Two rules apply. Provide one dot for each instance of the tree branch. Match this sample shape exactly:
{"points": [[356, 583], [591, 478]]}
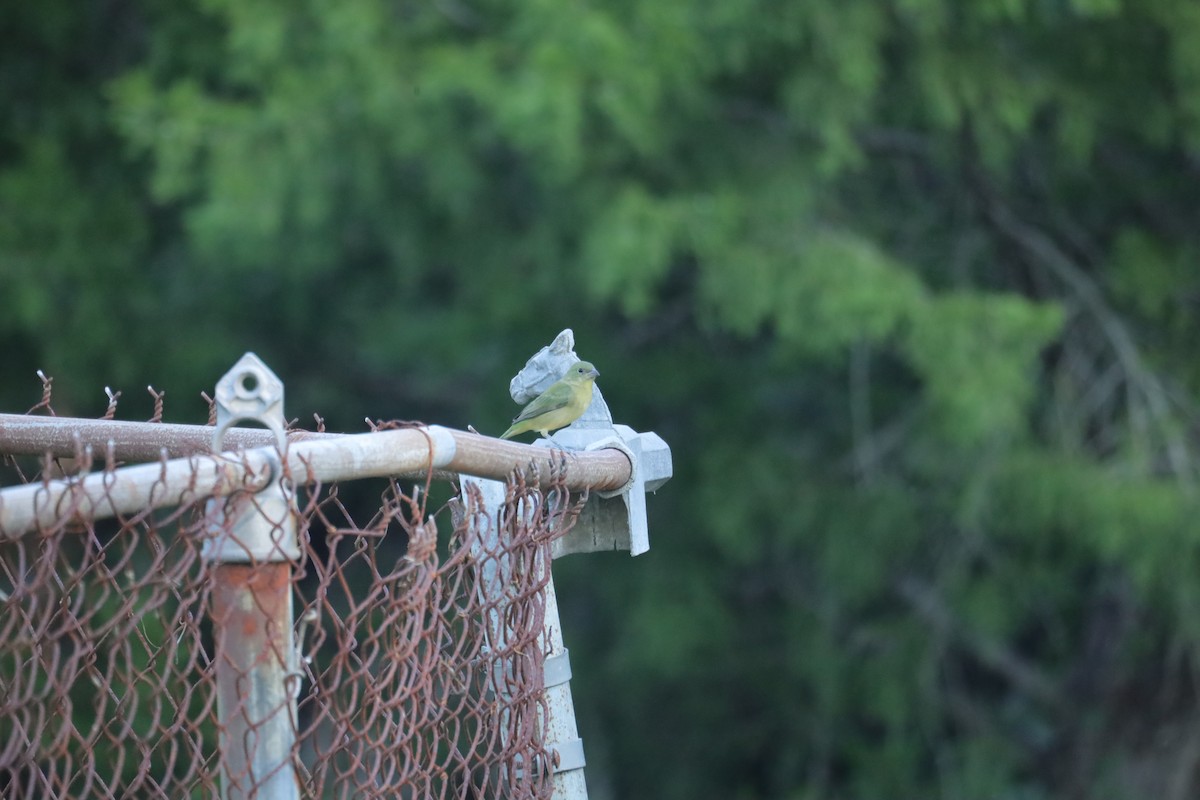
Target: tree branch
{"points": [[1144, 385], [928, 604]]}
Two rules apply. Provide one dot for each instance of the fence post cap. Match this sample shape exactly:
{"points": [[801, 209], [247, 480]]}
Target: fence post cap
{"points": [[602, 527], [249, 391], [261, 527]]}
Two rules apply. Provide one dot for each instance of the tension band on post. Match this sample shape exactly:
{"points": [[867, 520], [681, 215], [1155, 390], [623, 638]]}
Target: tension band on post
{"points": [[568, 755], [557, 669]]}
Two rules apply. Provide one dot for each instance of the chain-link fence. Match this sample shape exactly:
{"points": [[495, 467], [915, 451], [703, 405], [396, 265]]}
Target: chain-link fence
{"points": [[410, 642]]}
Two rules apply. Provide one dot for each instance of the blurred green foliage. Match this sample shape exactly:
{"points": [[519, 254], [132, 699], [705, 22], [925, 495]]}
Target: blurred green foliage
{"points": [[909, 286]]}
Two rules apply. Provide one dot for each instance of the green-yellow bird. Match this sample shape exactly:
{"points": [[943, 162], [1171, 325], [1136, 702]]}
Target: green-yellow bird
{"points": [[558, 406]]}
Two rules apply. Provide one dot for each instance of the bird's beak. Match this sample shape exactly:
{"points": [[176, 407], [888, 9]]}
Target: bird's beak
{"points": [[595, 373]]}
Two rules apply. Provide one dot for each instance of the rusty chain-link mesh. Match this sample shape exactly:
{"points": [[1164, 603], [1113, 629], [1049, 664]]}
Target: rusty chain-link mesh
{"points": [[419, 654]]}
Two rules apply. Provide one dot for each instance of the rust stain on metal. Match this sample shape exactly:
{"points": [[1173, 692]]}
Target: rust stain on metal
{"points": [[246, 596]]}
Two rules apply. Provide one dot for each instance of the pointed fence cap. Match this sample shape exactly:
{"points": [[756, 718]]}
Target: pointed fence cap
{"points": [[250, 392]]}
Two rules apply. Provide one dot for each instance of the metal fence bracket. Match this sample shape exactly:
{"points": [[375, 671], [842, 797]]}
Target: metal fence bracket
{"points": [[253, 526], [615, 520]]}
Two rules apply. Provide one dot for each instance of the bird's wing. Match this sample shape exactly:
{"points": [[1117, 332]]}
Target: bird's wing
{"points": [[552, 399]]}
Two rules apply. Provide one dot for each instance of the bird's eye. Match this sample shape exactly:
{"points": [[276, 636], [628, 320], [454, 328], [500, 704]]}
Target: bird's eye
{"points": [[579, 370]]}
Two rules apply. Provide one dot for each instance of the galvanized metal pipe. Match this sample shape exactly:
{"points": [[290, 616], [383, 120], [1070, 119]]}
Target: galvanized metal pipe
{"points": [[256, 679], [406, 451], [66, 437]]}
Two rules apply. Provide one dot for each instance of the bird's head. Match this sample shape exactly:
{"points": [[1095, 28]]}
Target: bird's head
{"points": [[582, 371]]}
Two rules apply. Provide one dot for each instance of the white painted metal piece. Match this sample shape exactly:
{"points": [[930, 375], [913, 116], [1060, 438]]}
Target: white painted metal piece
{"points": [[651, 460], [259, 524], [558, 668], [560, 731]]}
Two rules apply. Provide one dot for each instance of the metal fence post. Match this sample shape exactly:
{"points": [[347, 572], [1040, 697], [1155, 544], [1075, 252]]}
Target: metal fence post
{"points": [[561, 731], [614, 520], [558, 728], [252, 544]]}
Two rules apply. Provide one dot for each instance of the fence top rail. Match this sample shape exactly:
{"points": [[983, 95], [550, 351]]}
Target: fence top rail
{"points": [[65, 437], [401, 452]]}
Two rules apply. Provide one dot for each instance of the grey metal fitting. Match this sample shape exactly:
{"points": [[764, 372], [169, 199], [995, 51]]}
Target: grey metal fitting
{"points": [[257, 526], [606, 524]]}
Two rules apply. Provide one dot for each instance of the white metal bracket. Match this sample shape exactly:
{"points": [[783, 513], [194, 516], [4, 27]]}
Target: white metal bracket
{"points": [[258, 526], [617, 519]]}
